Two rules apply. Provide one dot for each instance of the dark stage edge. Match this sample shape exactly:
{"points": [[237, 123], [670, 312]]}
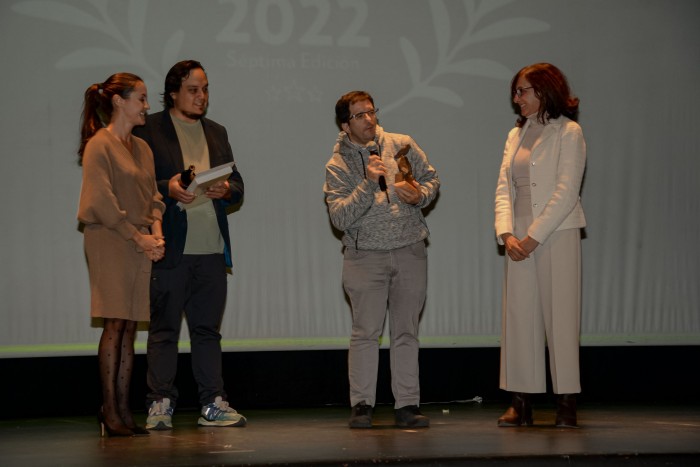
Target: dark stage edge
{"points": [[460, 434]]}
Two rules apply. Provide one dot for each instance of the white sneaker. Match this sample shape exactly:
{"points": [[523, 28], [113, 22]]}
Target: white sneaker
{"points": [[160, 415], [218, 413]]}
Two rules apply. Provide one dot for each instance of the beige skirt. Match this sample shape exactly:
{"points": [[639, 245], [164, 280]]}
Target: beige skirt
{"points": [[119, 276]]}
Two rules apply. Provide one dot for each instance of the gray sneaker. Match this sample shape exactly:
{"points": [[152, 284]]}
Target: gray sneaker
{"points": [[218, 413], [160, 415]]}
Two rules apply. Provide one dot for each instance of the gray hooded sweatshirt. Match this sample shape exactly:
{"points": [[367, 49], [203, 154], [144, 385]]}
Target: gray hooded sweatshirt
{"points": [[360, 209]]}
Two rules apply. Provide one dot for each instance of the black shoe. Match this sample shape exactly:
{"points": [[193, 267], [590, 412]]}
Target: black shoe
{"points": [[361, 416], [106, 429], [410, 416], [566, 411]]}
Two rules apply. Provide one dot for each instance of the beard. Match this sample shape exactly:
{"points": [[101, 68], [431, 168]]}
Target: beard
{"points": [[194, 115]]}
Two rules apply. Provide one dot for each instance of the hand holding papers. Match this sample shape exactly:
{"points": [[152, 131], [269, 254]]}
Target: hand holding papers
{"points": [[204, 180]]}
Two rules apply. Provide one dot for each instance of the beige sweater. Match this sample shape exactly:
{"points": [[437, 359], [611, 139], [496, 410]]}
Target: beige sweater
{"points": [[119, 189]]}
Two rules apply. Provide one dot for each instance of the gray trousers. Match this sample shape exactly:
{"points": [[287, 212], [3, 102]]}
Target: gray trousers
{"points": [[378, 282]]}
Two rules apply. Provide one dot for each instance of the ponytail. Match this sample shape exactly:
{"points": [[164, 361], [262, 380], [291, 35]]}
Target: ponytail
{"points": [[97, 105]]}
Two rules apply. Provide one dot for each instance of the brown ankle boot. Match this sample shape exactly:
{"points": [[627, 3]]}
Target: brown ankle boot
{"points": [[566, 411], [519, 413]]}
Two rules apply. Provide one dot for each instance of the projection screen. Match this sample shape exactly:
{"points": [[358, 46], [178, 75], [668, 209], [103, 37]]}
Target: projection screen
{"points": [[439, 70]]}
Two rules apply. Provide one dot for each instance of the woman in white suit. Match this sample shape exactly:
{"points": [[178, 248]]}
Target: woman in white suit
{"points": [[538, 220]]}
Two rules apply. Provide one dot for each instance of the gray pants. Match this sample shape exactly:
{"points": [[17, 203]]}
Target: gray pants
{"points": [[377, 282]]}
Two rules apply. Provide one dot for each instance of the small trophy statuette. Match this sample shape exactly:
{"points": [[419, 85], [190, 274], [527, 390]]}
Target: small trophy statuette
{"points": [[186, 177], [405, 170]]}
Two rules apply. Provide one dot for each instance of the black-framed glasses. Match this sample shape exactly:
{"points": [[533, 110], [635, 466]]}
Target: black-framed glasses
{"points": [[367, 113], [519, 91]]}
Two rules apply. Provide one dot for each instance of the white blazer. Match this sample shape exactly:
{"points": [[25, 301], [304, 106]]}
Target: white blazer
{"points": [[557, 163]]}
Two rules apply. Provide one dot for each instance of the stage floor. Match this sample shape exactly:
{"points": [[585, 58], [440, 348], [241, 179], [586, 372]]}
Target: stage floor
{"points": [[460, 434]]}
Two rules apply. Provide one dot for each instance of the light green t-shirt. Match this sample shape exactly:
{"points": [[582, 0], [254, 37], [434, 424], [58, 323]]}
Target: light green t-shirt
{"points": [[203, 235]]}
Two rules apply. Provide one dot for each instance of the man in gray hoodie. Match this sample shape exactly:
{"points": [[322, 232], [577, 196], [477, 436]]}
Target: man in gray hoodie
{"points": [[378, 208]]}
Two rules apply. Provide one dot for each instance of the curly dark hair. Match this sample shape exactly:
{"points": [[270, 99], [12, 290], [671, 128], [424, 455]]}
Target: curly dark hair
{"points": [[176, 75], [552, 89], [342, 107]]}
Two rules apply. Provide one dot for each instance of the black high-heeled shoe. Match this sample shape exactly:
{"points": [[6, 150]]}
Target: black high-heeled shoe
{"points": [[106, 429], [138, 430], [131, 424]]}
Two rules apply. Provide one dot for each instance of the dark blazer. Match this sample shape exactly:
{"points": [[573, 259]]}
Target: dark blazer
{"points": [[159, 133]]}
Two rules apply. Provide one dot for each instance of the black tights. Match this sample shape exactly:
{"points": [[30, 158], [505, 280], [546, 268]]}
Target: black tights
{"points": [[116, 361]]}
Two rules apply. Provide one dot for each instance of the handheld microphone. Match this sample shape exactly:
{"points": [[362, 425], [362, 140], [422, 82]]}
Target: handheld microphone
{"points": [[374, 150]]}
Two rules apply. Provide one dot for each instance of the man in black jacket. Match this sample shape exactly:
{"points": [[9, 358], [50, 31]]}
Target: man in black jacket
{"points": [[192, 276]]}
